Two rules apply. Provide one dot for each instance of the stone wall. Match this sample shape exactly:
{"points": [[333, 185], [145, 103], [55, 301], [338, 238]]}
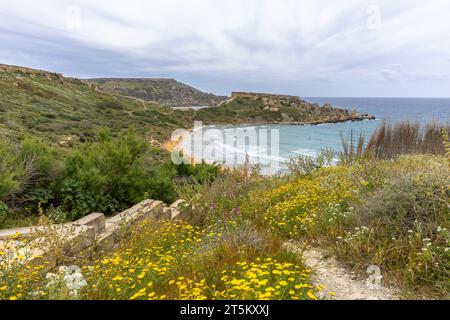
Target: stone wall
{"points": [[254, 95], [90, 235]]}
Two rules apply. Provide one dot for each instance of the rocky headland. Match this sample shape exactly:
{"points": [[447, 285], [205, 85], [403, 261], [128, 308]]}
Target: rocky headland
{"points": [[260, 108]]}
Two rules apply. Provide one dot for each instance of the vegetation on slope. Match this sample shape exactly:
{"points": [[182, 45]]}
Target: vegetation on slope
{"points": [[368, 211], [258, 110], [67, 111], [108, 174], [174, 261], [51, 150], [49, 105], [167, 92], [393, 214]]}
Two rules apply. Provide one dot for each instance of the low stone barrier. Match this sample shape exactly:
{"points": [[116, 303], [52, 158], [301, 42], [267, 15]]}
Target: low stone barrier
{"points": [[92, 234]]}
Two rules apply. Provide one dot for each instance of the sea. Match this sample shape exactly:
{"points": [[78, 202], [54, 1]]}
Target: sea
{"points": [[271, 146]]}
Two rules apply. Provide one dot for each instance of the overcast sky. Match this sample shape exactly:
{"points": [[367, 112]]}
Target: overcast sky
{"points": [[303, 47]]}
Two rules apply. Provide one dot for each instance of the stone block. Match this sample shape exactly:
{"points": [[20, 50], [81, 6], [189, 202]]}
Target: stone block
{"points": [[186, 214], [175, 215], [143, 207], [77, 239], [184, 210], [117, 231], [91, 233], [132, 215], [113, 220], [96, 220], [157, 209], [167, 213], [105, 242], [43, 257], [178, 203], [195, 219]]}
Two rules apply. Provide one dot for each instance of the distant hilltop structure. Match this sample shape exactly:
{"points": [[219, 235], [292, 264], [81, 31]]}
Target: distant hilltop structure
{"points": [[255, 95], [292, 109]]}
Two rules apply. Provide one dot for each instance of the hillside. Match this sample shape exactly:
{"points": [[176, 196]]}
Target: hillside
{"points": [[50, 105], [68, 110], [167, 92]]}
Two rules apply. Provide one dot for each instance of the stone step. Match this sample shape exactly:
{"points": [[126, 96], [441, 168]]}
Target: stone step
{"points": [[94, 231], [96, 220]]}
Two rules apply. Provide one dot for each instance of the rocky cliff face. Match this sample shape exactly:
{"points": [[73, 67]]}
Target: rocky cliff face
{"points": [[291, 109], [167, 92]]}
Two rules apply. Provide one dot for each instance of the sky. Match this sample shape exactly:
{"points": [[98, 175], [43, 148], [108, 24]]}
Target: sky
{"points": [[348, 48]]}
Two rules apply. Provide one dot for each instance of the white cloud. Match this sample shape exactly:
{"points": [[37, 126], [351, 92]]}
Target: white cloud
{"points": [[250, 41]]}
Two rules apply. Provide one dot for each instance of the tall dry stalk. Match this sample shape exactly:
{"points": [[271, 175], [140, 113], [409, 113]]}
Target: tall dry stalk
{"points": [[352, 149], [391, 140]]}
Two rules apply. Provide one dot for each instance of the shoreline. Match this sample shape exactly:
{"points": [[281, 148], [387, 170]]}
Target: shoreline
{"points": [[311, 123], [177, 143]]}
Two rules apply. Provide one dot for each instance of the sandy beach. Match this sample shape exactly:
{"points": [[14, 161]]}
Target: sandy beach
{"points": [[176, 144]]}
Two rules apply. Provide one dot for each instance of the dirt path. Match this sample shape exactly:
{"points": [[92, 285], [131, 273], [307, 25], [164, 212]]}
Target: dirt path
{"points": [[338, 282]]}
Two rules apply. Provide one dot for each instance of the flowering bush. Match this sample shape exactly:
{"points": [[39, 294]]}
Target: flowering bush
{"points": [[19, 280], [393, 214], [173, 262], [267, 279], [296, 206], [170, 260]]}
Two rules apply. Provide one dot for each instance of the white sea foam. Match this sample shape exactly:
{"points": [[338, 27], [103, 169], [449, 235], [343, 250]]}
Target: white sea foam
{"points": [[304, 152], [232, 146]]}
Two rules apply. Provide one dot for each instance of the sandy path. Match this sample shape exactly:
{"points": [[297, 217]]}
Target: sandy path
{"points": [[338, 282]]}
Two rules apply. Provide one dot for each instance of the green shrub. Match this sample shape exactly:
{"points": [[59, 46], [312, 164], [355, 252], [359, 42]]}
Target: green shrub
{"points": [[402, 222], [9, 183], [36, 156], [106, 175], [3, 211], [24, 168], [109, 105], [304, 164], [200, 173], [162, 183], [112, 174], [57, 215]]}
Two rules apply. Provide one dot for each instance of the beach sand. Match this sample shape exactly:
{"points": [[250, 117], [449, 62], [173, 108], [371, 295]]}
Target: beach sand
{"points": [[176, 145]]}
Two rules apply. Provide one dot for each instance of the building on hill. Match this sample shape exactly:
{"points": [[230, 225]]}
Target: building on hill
{"points": [[254, 95]]}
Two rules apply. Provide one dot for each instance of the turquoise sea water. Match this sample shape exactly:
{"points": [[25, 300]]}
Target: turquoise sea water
{"points": [[231, 145]]}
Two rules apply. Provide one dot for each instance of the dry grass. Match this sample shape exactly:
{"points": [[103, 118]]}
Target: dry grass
{"points": [[392, 140]]}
